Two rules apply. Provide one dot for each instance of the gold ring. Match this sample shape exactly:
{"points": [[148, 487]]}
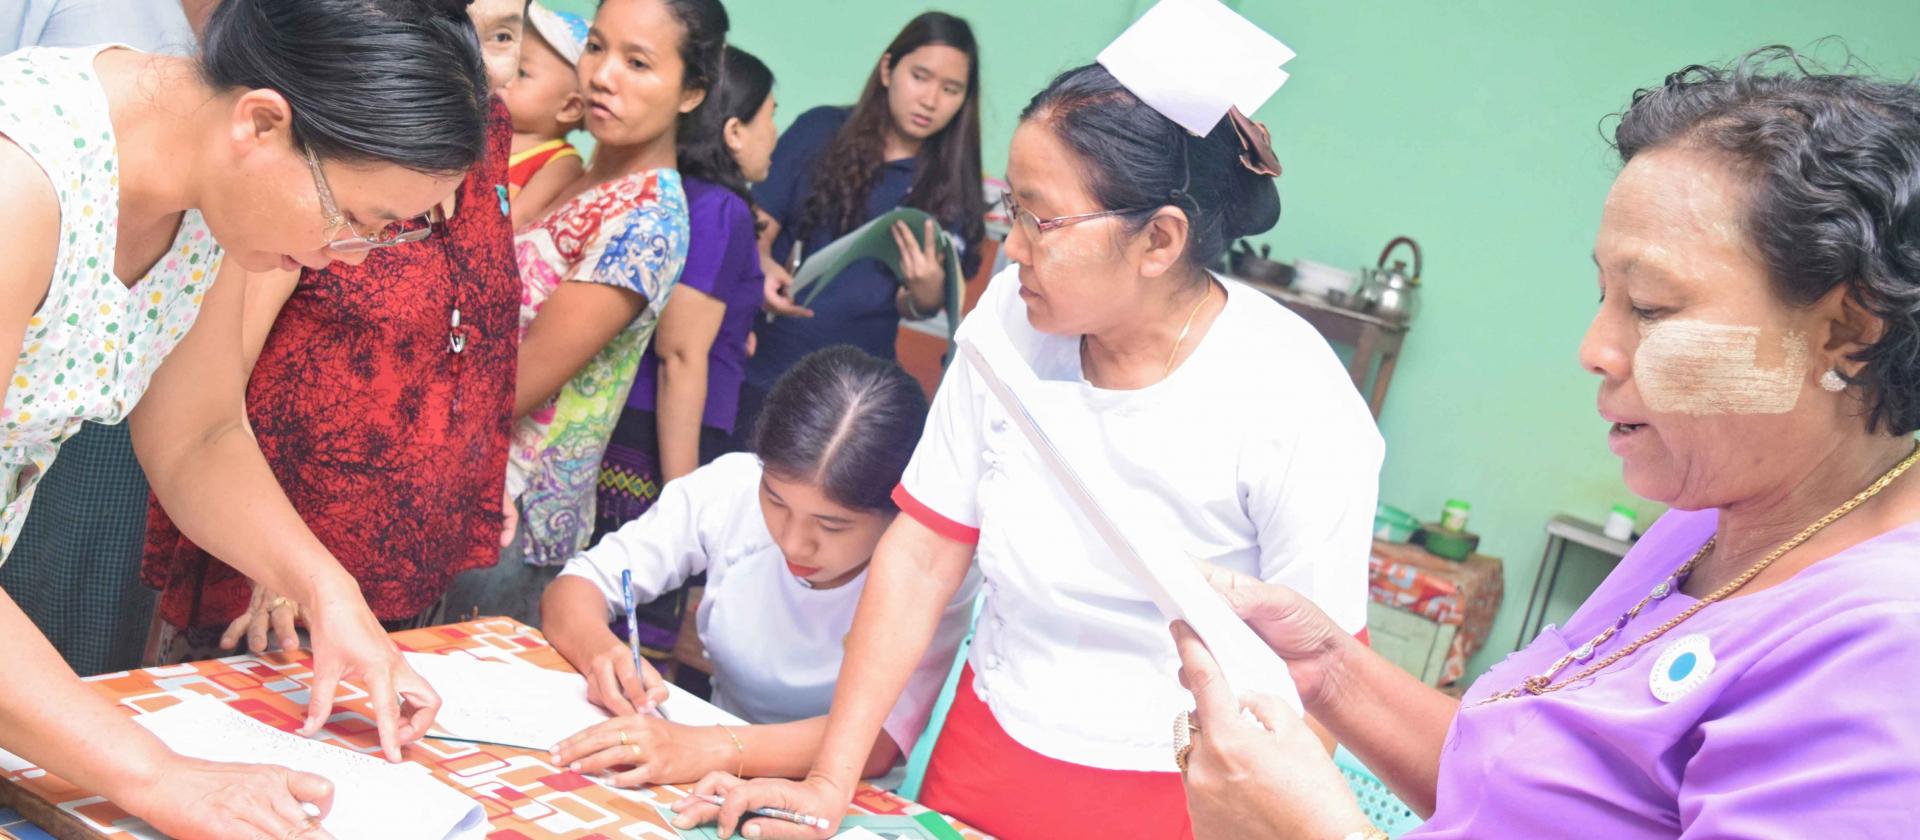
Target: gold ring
{"points": [[636, 752], [1183, 731], [277, 603], [623, 737]]}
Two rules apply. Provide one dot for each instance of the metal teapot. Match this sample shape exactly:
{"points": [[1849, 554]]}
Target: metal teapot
{"points": [[1390, 292]]}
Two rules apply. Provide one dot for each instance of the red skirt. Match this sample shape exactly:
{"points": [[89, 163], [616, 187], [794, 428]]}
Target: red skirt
{"points": [[981, 776]]}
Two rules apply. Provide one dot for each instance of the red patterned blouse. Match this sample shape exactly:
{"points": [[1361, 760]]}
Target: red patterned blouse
{"points": [[382, 400]]}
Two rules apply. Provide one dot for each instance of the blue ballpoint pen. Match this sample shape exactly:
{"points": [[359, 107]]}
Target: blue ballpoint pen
{"points": [[633, 629]]}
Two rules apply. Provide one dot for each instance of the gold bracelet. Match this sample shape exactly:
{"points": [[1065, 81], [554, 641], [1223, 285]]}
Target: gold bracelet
{"points": [[738, 746]]}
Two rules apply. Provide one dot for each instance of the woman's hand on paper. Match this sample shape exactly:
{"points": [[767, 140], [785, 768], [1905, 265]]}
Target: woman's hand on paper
{"points": [[816, 796], [206, 800], [267, 611], [348, 643], [639, 750], [1254, 768], [614, 685], [1288, 622]]}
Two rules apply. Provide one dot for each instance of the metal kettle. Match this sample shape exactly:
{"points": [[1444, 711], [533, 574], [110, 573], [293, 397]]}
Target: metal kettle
{"points": [[1390, 291]]}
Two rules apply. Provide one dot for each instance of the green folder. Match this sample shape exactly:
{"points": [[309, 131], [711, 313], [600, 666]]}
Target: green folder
{"points": [[874, 240]]}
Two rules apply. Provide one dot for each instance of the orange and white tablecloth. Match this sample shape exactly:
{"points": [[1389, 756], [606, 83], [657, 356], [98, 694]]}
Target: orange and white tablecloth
{"points": [[524, 797]]}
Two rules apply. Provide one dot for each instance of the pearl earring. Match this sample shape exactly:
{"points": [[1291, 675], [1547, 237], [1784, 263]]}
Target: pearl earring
{"points": [[1832, 382]]}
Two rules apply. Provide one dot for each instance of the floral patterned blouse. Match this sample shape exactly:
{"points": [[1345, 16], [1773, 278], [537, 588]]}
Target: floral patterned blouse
{"points": [[630, 233], [93, 345]]}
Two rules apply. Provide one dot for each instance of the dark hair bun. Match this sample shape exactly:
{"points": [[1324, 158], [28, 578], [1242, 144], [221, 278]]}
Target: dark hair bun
{"points": [[1252, 201], [1136, 160]]}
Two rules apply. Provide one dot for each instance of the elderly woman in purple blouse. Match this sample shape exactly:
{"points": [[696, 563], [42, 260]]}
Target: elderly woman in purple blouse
{"points": [[1751, 669]]}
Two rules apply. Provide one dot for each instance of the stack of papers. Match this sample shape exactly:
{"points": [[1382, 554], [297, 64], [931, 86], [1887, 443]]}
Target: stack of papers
{"points": [[371, 798], [518, 704]]}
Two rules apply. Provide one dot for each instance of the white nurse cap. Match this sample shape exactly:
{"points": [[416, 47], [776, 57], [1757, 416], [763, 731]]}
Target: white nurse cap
{"points": [[1197, 61]]}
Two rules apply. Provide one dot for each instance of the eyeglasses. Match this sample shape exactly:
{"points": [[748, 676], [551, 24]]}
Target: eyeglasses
{"points": [[1033, 225], [387, 235]]}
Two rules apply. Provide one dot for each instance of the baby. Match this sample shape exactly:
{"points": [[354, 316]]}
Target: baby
{"points": [[545, 103]]}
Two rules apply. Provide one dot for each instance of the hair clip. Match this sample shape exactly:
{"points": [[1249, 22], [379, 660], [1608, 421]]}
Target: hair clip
{"points": [[1256, 145]]}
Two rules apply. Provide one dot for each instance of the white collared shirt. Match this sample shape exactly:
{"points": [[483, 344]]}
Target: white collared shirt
{"points": [[775, 644], [1257, 454]]}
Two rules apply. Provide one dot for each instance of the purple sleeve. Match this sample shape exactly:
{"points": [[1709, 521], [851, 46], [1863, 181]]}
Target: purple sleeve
{"points": [[714, 236], [1819, 738]]}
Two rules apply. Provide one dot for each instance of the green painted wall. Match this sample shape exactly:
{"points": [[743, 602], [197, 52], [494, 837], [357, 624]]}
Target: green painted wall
{"points": [[1472, 126]]}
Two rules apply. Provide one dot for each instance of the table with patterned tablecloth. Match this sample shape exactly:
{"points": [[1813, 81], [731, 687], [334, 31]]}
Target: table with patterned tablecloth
{"points": [[524, 797], [1465, 595]]}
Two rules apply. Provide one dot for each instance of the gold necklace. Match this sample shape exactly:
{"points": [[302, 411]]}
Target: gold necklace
{"points": [[1543, 682], [1189, 325]]}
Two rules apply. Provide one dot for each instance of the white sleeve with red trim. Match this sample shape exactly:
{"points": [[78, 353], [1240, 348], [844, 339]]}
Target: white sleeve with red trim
{"points": [[940, 487], [1311, 493]]}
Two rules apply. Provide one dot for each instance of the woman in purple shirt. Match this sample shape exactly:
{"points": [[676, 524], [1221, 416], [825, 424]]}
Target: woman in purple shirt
{"points": [[1749, 669]]}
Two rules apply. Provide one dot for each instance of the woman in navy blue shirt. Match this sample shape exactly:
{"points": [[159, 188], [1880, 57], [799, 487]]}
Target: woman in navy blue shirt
{"points": [[912, 140]]}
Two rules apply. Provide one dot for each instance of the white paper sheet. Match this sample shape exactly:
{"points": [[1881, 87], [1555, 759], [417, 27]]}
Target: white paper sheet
{"points": [[371, 798], [1191, 60], [524, 705], [1168, 577]]}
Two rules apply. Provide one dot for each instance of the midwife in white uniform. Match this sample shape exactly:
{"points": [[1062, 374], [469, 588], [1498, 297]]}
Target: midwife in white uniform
{"points": [[1209, 421], [784, 537]]}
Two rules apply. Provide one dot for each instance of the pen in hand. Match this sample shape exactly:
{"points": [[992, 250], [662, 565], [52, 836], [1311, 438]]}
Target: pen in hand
{"points": [[769, 813], [633, 640]]}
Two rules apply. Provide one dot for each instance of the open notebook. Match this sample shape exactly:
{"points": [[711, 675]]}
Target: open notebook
{"points": [[518, 704], [371, 798]]}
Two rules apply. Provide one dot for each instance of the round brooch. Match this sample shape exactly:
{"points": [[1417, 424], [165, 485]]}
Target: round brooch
{"points": [[1681, 668]]}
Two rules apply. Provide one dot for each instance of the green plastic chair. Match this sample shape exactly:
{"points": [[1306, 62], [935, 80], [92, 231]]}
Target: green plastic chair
{"points": [[1382, 808]]}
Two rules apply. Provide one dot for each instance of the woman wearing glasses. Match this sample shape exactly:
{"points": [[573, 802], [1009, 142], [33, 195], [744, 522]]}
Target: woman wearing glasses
{"points": [[123, 170], [1210, 420], [380, 393]]}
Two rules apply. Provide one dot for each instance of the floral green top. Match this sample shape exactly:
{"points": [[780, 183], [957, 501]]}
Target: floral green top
{"points": [[629, 233], [95, 342]]}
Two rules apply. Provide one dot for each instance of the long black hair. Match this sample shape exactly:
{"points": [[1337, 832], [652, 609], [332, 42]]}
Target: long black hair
{"points": [[1134, 159], [845, 422], [745, 82], [387, 81], [948, 182]]}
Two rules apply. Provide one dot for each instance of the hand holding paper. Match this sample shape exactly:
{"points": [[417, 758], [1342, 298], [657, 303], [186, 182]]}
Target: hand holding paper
{"points": [[876, 240]]}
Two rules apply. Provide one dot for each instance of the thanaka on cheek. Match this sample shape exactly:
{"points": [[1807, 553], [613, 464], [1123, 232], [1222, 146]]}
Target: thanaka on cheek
{"points": [[1697, 367]]}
